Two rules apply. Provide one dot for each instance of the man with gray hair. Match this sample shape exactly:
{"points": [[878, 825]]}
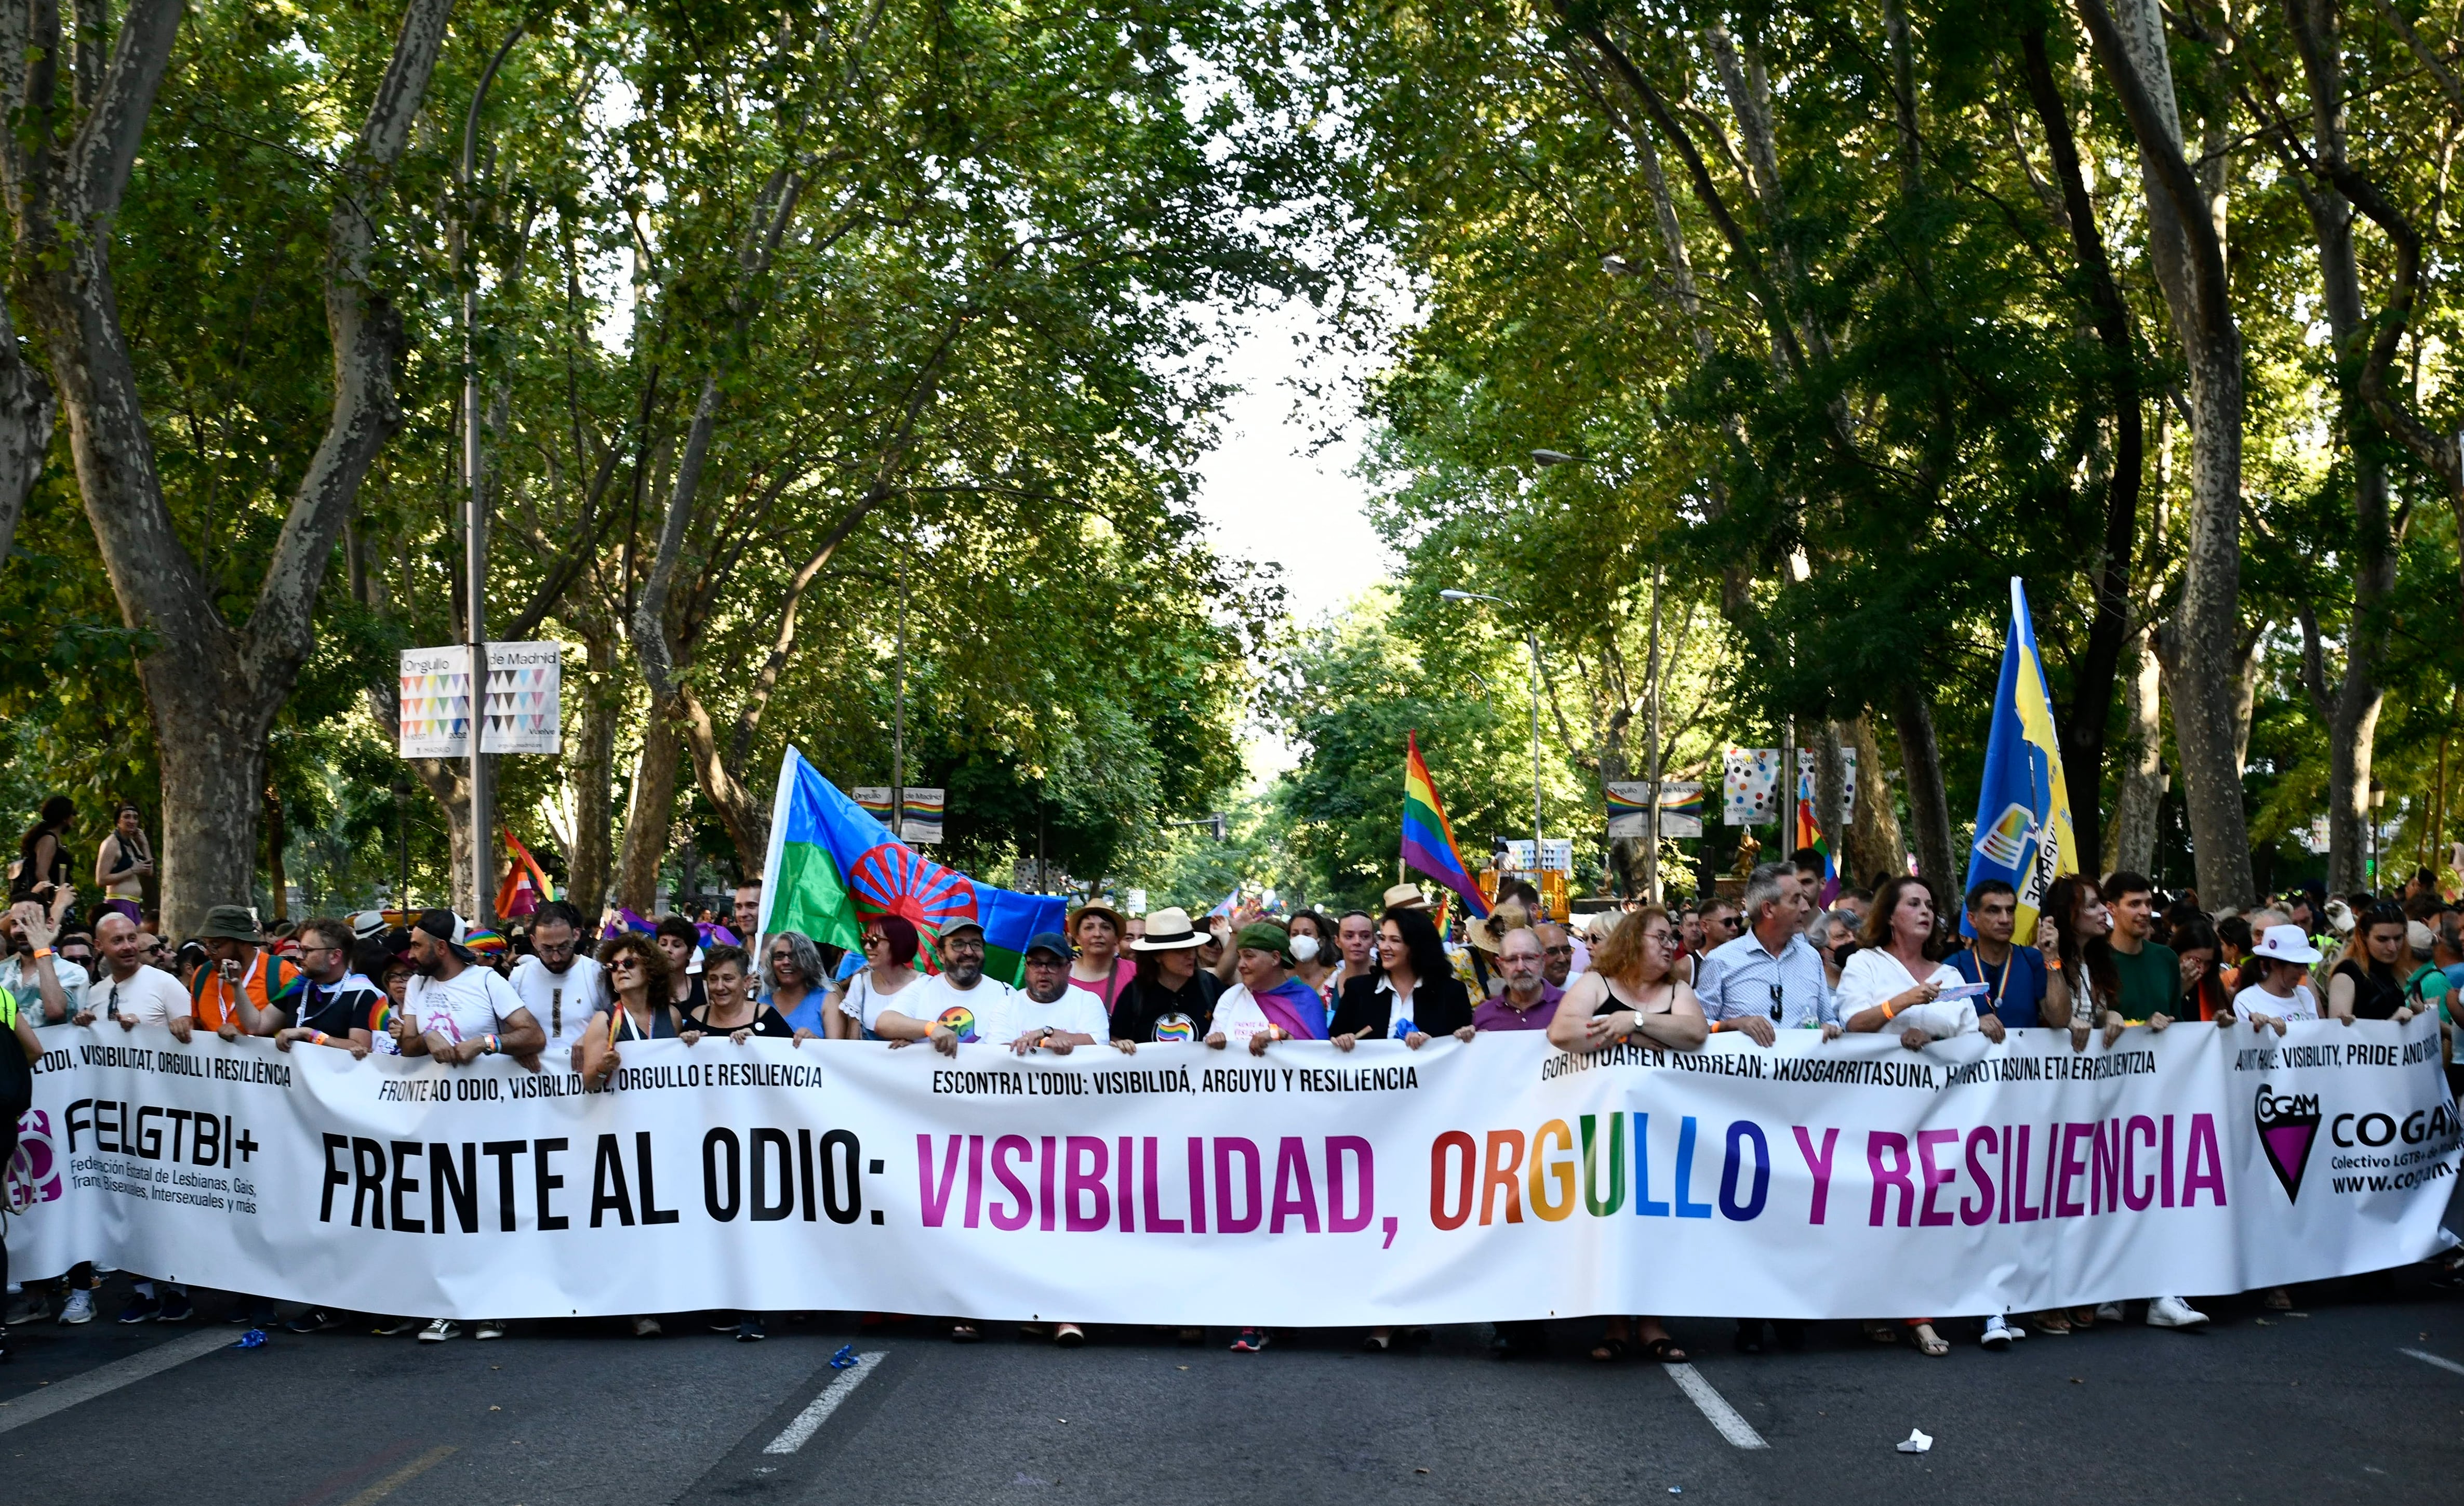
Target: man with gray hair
{"points": [[1771, 978]]}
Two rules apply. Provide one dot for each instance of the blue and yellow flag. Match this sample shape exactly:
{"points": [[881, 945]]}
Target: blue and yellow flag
{"points": [[2023, 809]]}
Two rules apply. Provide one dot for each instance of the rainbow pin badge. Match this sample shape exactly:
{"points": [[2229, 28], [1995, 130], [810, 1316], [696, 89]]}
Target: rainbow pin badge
{"points": [[959, 1021]]}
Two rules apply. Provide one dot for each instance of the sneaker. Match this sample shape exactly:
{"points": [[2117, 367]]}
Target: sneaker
{"points": [[440, 1330], [647, 1328], [314, 1321], [175, 1309], [1249, 1341], [142, 1308], [25, 1309], [750, 1331], [1998, 1333], [490, 1328], [2172, 1312], [2108, 1311], [388, 1327], [80, 1308]]}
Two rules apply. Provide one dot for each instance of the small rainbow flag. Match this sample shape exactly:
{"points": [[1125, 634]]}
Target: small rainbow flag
{"points": [[1428, 841], [1809, 834]]}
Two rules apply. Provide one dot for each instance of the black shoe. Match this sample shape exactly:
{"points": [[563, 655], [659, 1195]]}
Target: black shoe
{"points": [[314, 1321], [1750, 1336], [750, 1331], [1791, 1332]]}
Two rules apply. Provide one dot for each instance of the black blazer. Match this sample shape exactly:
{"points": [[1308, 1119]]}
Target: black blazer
{"points": [[1440, 1006]]}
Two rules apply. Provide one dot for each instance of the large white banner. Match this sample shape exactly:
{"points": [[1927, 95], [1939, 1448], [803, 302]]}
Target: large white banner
{"points": [[1494, 1179]]}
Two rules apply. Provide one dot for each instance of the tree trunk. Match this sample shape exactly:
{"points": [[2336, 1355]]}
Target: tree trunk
{"points": [[27, 411], [278, 886], [1831, 794], [2131, 842], [589, 770], [2351, 707], [2186, 254], [449, 781], [212, 690], [2083, 725], [1928, 803], [1874, 838], [650, 815]]}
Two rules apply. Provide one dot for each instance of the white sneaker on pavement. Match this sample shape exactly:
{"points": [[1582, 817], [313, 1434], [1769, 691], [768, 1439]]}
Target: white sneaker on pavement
{"points": [[2108, 1313], [80, 1308], [2172, 1312], [2000, 1331], [490, 1328], [439, 1330]]}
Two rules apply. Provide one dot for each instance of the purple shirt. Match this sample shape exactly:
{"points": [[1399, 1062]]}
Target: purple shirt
{"points": [[1501, 1014]]}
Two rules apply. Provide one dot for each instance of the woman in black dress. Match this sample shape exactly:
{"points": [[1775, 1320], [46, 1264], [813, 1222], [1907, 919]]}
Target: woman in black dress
{"points": [[2368, 983]]}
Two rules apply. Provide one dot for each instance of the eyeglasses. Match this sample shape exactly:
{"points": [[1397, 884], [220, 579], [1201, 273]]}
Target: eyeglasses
{"points": [[777, 958], [625, 964], [870, 942], [1560, 951]]}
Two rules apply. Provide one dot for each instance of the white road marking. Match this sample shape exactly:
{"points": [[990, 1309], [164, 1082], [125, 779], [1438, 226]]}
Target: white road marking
{"points": [[809, 1421], [2426, 1358], [1714, 1406], [102, 1380]]}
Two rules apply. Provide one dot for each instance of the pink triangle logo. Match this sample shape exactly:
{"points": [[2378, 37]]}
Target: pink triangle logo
{"points": [[2288, 1126]]}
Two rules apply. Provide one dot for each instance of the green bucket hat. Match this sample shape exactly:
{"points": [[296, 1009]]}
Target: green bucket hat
{"points": [[230, 922], [1260, 935]]}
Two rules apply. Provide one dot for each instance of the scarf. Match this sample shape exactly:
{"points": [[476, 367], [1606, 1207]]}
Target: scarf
{"points": [[1295, 1008]]}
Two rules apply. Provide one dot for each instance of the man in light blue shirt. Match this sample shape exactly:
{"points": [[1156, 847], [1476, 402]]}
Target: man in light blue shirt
{"points": [[1771, 978]]}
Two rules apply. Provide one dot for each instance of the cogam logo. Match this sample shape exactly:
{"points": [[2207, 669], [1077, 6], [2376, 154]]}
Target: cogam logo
{"points": [[2288, 1127], [33, 1172]]}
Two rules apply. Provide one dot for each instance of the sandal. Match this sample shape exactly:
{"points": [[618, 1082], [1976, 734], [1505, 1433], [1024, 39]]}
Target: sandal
{"points": [[1608, 1351], [1930, 1344], [965, 1334], [1879, 1332], [2052, 1320], [1661, 1350]]}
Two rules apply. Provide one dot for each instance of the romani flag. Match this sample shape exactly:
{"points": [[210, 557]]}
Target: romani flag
{"points": [[1428, 841], [831, 867]]}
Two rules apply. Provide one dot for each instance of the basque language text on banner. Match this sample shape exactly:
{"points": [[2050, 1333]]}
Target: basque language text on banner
{"points": [[1497, 1179]]}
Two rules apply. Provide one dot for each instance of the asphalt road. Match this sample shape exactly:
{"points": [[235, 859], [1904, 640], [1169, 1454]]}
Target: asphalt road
{"points": [[2315, 1408]]}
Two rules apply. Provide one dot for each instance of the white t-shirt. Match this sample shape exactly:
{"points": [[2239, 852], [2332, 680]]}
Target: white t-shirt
{"points": [[2255, 999], [152, 997], [475, 1002], [562, 1003], [1077, 1011], [929, 999], [1874, 977], [863, 1003], [21, 976], [1238, 1016]]}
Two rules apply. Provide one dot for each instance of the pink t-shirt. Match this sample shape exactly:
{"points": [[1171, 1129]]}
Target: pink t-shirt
{"points": [[1125, 972]]}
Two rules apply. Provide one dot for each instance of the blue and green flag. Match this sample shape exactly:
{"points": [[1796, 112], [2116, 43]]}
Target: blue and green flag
{"points": [[832, 867]]}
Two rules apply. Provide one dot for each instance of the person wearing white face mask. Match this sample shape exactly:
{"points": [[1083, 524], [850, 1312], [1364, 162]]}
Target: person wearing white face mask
{"points": [[1315, 953]]}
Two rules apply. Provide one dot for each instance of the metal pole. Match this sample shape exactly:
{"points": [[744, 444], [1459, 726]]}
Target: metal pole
{"points": [[898, 725], [475, 532], [1650, 819], [1534, 634]]}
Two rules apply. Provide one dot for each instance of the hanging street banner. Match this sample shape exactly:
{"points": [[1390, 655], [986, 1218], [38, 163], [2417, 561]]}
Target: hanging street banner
{"points": [[522, 706], [874, 800], [1681, 809], [922, 822], [1495, 1179]]}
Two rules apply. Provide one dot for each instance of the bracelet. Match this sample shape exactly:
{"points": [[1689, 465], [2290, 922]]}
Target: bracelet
{"points": [[1717, 1025], [491, 1044], [41, 952], [2053, 964], [1890, 1011], [316, 1037]]}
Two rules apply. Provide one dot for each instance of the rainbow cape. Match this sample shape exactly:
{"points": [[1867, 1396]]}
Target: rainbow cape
{"points": [[831, 867], [1428, 841]]}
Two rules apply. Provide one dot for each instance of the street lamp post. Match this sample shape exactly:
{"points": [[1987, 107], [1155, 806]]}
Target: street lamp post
{"points": [[1532, 637]]}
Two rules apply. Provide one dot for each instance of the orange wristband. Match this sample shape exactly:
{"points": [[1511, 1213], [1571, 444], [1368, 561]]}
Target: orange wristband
{"points": [[1890, 1011]]}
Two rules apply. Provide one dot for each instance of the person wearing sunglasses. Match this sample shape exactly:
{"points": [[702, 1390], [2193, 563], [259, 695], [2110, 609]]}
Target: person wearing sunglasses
{"points": [[792, 978], [889, 945]]}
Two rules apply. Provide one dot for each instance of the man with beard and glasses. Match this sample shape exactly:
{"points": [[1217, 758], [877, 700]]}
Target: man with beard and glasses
{"points": [[458, 1010], [959, 1007], [560, 987]]}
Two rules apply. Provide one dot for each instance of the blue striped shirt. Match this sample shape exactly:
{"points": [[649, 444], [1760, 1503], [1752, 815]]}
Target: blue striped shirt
{"points": [[1742, 977]]}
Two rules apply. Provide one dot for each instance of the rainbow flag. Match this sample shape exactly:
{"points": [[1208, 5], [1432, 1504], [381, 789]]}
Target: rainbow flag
{"points": [[525, 887], [1428, 841], [1809, 834], [831, 867]]}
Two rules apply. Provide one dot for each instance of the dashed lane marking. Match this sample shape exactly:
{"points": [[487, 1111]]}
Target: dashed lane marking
{"points": [[1714, 1406], [809, 1421]]}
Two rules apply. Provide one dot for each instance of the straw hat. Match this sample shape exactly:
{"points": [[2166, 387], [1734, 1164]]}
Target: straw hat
{"points": [[1121, 928], [1405, 897], [1168, 930]]}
